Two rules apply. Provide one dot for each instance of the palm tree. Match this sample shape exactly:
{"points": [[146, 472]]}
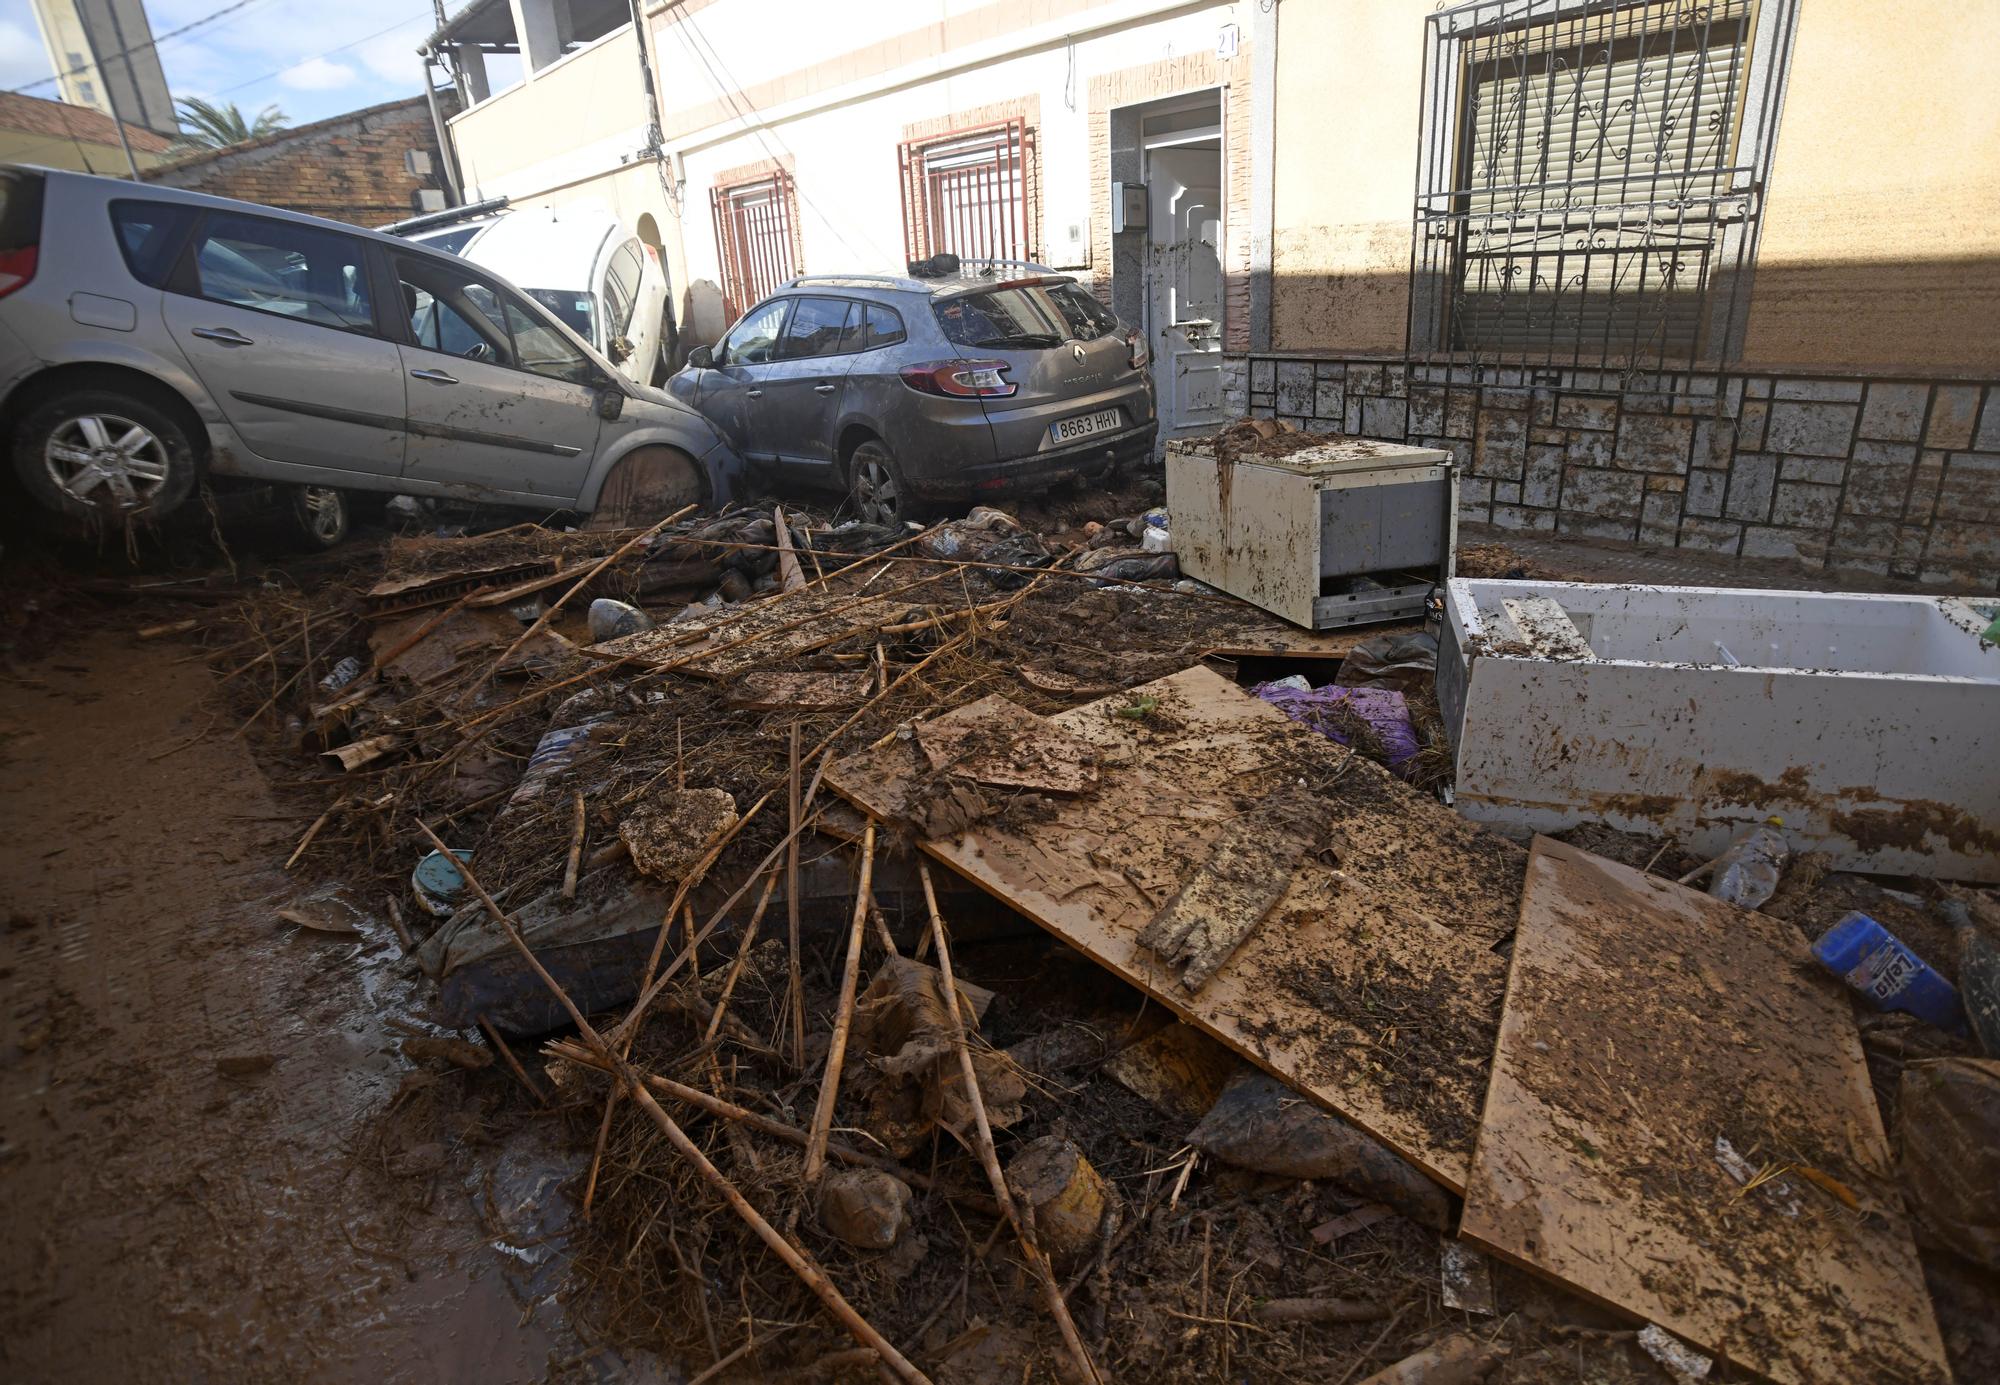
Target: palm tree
{"points": [[212, 125]]}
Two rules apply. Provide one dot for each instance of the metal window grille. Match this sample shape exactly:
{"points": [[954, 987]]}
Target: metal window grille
{"points": [[971, 193], [1590, 179], [756, 238]]}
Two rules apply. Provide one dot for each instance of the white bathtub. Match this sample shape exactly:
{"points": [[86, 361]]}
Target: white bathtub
{"points": [[1871, 724]]}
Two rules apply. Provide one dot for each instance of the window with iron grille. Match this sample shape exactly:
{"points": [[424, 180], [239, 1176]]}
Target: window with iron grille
{"points": [[1591, 177], [971, 193], [756, 238]]}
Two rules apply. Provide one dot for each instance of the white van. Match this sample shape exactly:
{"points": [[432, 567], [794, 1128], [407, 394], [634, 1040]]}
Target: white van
{"points": [[605, 283]]}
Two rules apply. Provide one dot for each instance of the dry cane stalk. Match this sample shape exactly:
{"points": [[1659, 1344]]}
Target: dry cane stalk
{"points": [[990, 1157], [836, 1053], [795, 996], [789, 575], [575, 850], [742, 956], [546, 616], [810, 1274]]}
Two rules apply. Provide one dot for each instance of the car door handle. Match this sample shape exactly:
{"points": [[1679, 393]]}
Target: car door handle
{"points": [[225, 336], [825, 389], [436, 377], [753, 394]]}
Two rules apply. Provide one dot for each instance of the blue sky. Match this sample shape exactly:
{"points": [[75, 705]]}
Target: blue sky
{"points": [[309, 58]]}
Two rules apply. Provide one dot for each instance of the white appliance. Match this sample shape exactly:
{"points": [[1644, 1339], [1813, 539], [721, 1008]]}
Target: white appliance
{"points": [[1338, 532]]}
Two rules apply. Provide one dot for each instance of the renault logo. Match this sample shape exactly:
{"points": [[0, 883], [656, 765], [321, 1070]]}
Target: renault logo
{"points": [[1077, 351]]}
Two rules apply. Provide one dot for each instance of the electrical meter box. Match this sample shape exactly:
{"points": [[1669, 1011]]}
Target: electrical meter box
{"points": [[1326, 533]]}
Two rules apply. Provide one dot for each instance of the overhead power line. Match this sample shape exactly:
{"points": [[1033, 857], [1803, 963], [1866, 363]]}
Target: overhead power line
{"points": [[154, 42]]}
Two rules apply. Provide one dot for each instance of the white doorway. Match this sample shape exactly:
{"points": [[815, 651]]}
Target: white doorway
{"points": [[1183, 169]]}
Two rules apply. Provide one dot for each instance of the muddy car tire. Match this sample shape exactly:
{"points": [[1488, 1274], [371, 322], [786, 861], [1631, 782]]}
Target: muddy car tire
{"points": [[104, 454], [877, 488], [320, 515]]}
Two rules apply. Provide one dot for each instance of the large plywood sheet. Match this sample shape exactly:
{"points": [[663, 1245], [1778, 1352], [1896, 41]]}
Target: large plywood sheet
{"points": [[1644, 1022], [1371, 983]]}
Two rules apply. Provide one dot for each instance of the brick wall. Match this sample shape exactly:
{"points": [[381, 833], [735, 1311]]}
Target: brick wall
{"points": [[349, 168], [1895, 477]]}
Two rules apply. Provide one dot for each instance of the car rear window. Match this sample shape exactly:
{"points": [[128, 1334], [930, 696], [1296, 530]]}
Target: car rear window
{"points": [[1022, 315], [149, 236], [1087, 317], [20, 209]]}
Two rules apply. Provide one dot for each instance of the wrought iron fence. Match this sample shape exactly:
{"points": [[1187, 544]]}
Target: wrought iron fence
{"points": [[971, 193], [1590, 178]]}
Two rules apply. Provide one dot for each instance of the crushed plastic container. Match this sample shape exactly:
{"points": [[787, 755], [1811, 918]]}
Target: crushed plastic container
{"points": [[1883, 969], [1156, 540], [1747, 872]]}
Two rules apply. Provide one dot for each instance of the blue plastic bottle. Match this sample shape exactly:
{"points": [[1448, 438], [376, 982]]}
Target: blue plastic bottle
{"points": [[1876, 963]]}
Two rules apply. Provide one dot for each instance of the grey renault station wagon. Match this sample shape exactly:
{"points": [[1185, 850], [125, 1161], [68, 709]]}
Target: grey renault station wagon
{"points": [[958, 382]]}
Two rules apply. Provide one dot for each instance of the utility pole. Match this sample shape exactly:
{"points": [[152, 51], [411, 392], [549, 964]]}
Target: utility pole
{"points": [[110, 92]]}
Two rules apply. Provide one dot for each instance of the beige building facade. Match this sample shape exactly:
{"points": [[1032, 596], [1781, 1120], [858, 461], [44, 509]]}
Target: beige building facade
{"points": [[1721, 276]]}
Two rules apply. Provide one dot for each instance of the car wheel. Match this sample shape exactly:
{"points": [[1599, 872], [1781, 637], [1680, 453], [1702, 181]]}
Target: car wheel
{"points": [[320, 513], [875, 483], [647, 485], [104, 454]]}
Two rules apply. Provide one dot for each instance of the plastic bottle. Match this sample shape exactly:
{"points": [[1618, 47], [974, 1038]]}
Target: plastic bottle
{"points": [[1876, 963], [1746, 873]]}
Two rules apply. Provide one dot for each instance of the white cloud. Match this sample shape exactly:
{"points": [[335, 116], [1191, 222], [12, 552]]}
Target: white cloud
{"points": [[318, 74], [22, 58]]}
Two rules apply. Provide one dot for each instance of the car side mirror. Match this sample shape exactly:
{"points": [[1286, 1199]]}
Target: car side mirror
{"points": [[702, 357], [610, 403]]}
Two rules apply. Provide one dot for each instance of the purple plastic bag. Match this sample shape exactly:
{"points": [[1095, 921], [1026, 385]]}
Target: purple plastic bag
{"points": [[1382, 708]]}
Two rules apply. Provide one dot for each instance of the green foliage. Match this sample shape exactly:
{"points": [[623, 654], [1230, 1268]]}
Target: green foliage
{"points": [[213, 125]]}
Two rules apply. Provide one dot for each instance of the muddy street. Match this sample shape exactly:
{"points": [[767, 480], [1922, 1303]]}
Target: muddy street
{"points": [[190, 1086]]}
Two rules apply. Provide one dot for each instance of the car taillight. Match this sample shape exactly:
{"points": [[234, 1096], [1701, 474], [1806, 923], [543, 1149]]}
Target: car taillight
{"points": [[1136, 349], [961, 379], [17, 267]]}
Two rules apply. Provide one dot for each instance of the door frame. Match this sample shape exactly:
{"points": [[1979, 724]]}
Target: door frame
{"points": [[1208, 100]]}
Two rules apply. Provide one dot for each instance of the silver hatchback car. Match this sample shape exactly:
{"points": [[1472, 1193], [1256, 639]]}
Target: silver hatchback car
{"points": [[151, 339], [959, 382]]}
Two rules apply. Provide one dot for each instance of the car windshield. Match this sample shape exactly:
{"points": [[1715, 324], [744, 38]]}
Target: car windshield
{"points": [[574, 308], [1017, 316], [453, 240]]}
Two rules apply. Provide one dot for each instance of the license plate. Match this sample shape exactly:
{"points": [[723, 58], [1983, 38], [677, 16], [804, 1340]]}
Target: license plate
{"points": [[1070, 429]]}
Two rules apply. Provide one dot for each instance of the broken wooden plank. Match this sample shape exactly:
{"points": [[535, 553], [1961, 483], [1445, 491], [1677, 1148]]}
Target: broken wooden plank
{"points": [[800, 692], [1248, 868], [737, 639], [1177, 1068], [1255, 633], [1644, 1023], [995, 741], [1377, 998]]}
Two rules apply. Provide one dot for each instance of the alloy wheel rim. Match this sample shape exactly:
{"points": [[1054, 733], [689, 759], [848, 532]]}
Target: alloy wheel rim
{"points": [[322, 511], [878, 493], [106, 454]]}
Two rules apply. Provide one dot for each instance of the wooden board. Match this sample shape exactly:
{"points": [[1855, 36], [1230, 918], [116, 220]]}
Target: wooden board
{"points": [[1245, 872], [737, 639], [1643, 1021], [1377, 996], [1257, 633], [801, 692], [1001, 743]]}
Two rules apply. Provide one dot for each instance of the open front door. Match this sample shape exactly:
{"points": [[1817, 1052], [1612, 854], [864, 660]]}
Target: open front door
{"points": [[1184, 282]]}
